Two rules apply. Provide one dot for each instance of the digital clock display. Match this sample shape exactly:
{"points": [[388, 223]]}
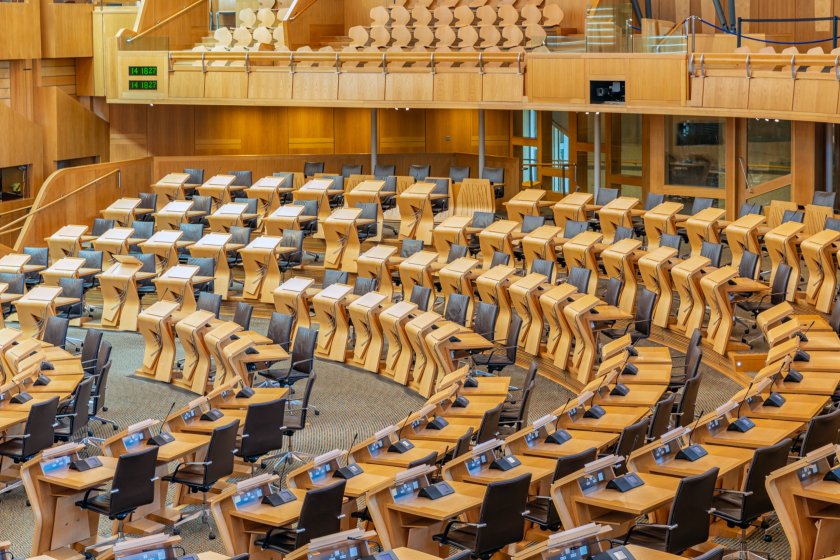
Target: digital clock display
{"points": [[142, 70], [142, 85]]}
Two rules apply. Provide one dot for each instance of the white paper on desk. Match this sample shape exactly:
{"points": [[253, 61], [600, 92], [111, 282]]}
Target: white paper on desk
{"points": [[220, 180], [177, 207], [214, 239], [265, 243], [166, 237], [181, 272]]}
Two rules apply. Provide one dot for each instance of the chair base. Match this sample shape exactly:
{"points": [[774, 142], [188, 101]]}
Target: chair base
{"points": [[106, 422], [11, 486], [292, 457], [743, 555]]}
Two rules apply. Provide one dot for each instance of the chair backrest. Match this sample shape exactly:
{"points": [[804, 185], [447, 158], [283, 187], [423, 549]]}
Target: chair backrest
{"points": [[748, 265], [202, 204], [261, 433], [304, 406], [652, 200], [55, 332], [441, 184], [713, 252], [499, 259], [320, 514], [496, 175], [16, 282], [482, 219], [500, 520], [143, 230], [101, 385], [530, 223], [622, 233], [573, 228], [39, 431], [288, 179], [250, 204], [334, 277], [134, 480], [748, 208], [220, 453], [420, 172], [364, 286], [462, 444], [605, 196], [457, 306], [303, 350], [147, 261], [240, 234], [101, 225], [148, 201], [456, 251], [93, 259], [430, 460], [823, 198], [690, 511], [778, 291], [579, 278], [793, 216], [338, 181], [73, 288], [90, 349], [390, 185], [209, 302], [242, 314], [512, 338], [564, 467], [822, 430], [40, 256], [196, 176], [458, 174], [206, 265], [292, 238], [660, 420], [485, 319], [756, 502], [310, 168], [542, 266], [310, 207], [383, 171], [670, 240], [420, 297], [632, 437], [832, 224], [103, 356], [694, 354], [80, 413], [409, 247], [347, 170], [834, 319], [701, 204], [613, 292], [370, 210], [644, 312], [280, 329], [688, 402], [489, 427], [191, 232]]}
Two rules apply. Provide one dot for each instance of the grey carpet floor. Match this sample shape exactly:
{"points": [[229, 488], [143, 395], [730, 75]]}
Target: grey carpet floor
{"points": [[350, 401]]}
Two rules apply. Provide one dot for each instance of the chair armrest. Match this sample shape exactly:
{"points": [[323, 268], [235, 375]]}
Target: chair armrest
{"points": [[738, 492], [651, 525]]}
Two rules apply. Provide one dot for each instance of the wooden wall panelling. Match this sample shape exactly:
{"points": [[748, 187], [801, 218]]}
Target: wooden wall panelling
{"points": [[23, 88], [311, 130], [664, 83], [93, 72], [84, 206], [182, 32], [496, 133], [357, 12], [66, 30], [806, 161], [71, 130], [324, 19], [58, 72], [21, 36], [129, 131], [5, 83], [171, 129], [240, 130], [401, 130], [23, 143], [552, 79], [352, 131], [449, 130]]}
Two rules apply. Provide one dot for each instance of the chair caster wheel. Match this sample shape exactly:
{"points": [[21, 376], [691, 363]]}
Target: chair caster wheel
{"points": [[176, 531], [114, 428], [768, 538], [211, 536], [105, 409], [28, 503]]}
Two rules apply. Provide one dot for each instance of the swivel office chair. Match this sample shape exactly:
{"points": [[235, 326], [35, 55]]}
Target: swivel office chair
{"points": [[302, 363], [242, 315], [262, 433], [501, 357], [347, 170], [419, 172], [74, 416], [542, 511], [458, 174], [456, 309], [295, 421]]}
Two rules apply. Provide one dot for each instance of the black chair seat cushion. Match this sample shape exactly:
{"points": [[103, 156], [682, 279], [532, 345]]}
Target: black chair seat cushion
{"points": [[12, 448], [463, 538], [486, 360], [188, 476], [100, 504], [279, 541], [649, 537], [728, 507], [538, 509]]}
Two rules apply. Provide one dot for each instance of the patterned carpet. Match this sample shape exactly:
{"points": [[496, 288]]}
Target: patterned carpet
{"points": [[350, 401]]}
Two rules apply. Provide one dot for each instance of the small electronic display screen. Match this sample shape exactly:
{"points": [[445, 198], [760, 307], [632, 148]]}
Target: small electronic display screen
{"points": [[572, 413], [157, 554], [532, 438], [142, 85], [808, 471], [132, 440], [592, 480], [320, 472], [53, 465], [474, 465], [376, 446], [248, 497], [714, 425], [570, 553], [405, 489], [344, 553], [661, 453], [189, 416]]}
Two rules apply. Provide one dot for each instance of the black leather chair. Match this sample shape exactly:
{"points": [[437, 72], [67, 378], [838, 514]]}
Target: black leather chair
{"points": [[148, 201], [480, 220], [642, 322], [133, 486], [288, 182], [240, 235], [98, 404], [793, 216], [280, 329], [544, 267], [748, 208], [778, 294], [499, 259], [291, 238], [530, 223], [541, 508], [370, 211], [38, 433], [251, 207], [201, 476], [462, 445], [206, 268], [714, 554], [742, 508], [295, 420], [458, 174], [334, 277], [685, 408], [652, 200], [603, 197], [612, 294], [16, 285], [320, 515], [573, 228], [242, 315], [196, 176], [748, 267], [632, 437], [660, 420], [441, 187], [383, 171], [388, 194], [347, 170], [456, 252], [409, 247], [501, 357], [72, 288], [421, 297], [55, 332], [90, 350], [515, 414], [579, 278], [39, 256], [484, 323], [671, 240], [489, 427], [310, 208], [202, 204], [146, 287], [430, 460], [101, 225], [699, 204], [496, 176], [500, 523], [713, 252], [262, 433], [302, 360], [310, 168], [823, 198], [822, 430], [364, 286], [622, 233], [688, 520], [93, 259], [74, 416], [457, 306], [419, 172], [691, 362], [142, 230], [209, 302], [191, 233]]}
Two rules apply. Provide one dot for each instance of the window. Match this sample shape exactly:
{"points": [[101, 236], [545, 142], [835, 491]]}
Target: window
{"points": [[695, 152], [14, 182], [768, 150], [525, 126]]}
